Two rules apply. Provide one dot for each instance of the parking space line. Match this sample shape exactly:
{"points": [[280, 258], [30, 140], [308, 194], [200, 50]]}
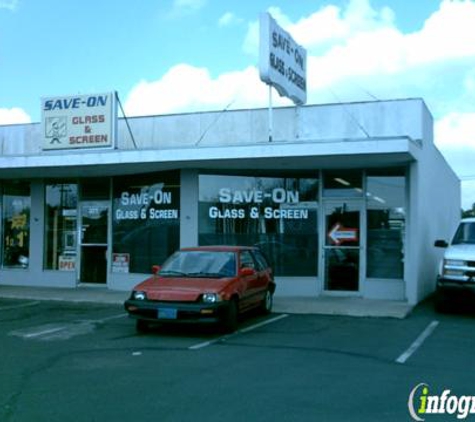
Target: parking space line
{"points": [[63, 330], [44, 332], [205, 344], [418, 342], [243, 331], [110, 318], [22, 305], [261, 324]]}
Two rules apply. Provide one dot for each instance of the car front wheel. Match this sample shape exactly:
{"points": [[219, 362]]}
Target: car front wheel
{"points": [[230, 318]]}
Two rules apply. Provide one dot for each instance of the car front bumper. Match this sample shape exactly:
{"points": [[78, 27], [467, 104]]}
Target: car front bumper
{"points": [[175, 312], [448, 286]]}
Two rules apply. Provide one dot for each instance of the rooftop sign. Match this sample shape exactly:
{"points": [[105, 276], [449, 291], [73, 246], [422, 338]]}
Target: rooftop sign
{"points": [[282, 62], [81, 121]]}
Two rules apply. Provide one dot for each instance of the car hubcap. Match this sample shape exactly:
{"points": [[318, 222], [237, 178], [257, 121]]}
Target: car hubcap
{"points": [[268, 301]]}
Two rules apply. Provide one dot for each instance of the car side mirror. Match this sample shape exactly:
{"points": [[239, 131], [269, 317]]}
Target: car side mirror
{"points": [[246, 271], [441, 243], [155, 269]]}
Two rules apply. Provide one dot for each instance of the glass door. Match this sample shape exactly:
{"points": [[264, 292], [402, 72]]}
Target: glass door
{"points": [[94, 217], [342, 246]]}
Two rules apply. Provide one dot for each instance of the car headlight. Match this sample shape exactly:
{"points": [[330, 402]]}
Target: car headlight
{"points": [[211, 298], [139, 295]]}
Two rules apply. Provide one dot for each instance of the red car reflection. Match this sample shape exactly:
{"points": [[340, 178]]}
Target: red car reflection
{"points": [[207, 284]]}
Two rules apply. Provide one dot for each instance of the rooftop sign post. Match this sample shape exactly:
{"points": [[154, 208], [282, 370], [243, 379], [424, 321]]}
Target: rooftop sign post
{"points": [[282, 63], [80, 121]]}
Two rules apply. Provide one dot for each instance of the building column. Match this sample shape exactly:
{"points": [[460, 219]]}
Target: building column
{"points": [[189, 196]]}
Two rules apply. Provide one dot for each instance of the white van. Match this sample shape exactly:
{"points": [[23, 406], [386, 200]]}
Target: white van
{"points": [[457, 269]]}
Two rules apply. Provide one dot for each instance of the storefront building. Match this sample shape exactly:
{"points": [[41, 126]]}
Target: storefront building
{"points": [[346, 199]]}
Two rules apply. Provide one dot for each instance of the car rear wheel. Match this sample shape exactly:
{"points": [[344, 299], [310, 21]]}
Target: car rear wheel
{"points": [[141, 326], [267, 303], [230, 319]]}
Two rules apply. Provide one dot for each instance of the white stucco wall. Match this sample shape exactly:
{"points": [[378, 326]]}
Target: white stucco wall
{"points": [[315, 123], [434, 212]]}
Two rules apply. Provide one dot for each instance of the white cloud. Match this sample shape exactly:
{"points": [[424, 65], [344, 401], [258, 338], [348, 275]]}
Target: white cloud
{"points": [[8, 4], [228, 19], [356, 53], [469, 83], [361, 41], [468, 194], [251, 41], [10, 116], [187, 6], [186, 88], [454, 135], [456, 131]]}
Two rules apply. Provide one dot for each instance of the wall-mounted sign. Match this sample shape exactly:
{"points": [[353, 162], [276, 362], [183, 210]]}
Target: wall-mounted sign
{"points": [[339, 234], [282, 62], [81, 121], [241, 204], [147, 205], [67, 263], [120, 262]]}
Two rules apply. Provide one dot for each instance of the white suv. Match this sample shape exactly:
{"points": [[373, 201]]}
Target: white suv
{"points": [[457, 269]]}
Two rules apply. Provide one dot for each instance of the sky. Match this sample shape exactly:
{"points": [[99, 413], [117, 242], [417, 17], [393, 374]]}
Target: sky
{"points": [[179, 56]]}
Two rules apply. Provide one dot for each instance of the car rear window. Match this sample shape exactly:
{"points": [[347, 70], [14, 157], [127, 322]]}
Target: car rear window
{"points": [[261, 261]]}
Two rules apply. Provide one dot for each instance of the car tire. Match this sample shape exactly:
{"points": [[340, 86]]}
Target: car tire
{"points": [[267, 303], [230, 318], [141, 326]]}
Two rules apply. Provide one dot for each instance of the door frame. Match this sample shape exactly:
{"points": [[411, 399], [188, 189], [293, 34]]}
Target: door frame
{"points": [[360, 204], [80, 244]]}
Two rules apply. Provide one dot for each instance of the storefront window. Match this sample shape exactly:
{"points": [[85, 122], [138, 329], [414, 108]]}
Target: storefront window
{"points": [[278, 214], [16, 225], [61, 226], [95, 189], [386, 226], [146, 221], [342, 183]]}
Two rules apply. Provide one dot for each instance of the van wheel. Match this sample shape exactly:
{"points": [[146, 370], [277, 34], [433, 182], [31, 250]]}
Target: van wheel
{"points": [[230, 318], [440, 303]]}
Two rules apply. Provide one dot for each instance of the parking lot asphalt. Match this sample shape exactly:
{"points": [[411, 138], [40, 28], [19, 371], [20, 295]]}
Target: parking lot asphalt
{"points": [[84, 361], [325, 305]]}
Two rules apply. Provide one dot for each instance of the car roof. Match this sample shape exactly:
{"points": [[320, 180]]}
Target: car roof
{"points": [[220, 248]]}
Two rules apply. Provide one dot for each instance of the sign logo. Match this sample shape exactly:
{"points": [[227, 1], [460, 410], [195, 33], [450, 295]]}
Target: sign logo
{"points": [[421, 403], [282, 62], [83, 121]]}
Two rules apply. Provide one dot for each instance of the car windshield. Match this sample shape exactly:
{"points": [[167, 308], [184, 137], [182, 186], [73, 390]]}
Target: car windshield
{"points": [[465, 234], [207, 264]]}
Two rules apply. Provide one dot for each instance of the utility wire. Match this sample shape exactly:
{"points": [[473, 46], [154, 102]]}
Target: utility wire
{"points": [[214, 122], [126, 120], [353, 118]]}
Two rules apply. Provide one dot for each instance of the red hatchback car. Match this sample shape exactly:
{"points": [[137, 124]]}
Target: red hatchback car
{"points": [[207, 284]]}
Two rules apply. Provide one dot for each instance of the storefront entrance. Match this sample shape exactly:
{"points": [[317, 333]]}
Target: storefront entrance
{"points": [[94, 217], [343, 246]]}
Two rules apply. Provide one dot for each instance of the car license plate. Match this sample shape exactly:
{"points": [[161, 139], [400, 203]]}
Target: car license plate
{"points": [[167, 313]]}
